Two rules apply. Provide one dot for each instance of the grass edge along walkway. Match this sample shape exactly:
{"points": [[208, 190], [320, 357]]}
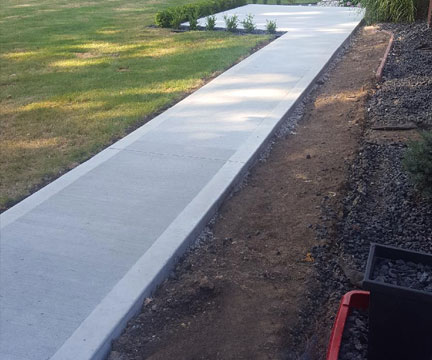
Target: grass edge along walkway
{"points": [[76, 77]]}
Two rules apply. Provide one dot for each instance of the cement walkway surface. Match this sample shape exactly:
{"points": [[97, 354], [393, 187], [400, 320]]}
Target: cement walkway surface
{"points": [[78, 256]]}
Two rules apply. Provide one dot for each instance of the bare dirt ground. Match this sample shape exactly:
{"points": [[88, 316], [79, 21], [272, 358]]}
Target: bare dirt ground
{"points": [[239, 293]]}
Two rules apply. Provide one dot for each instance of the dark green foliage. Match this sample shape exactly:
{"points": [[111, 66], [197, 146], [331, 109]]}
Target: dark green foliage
{"points": [[248, 23], [394, 10], [231, 22], [164, 18], [418, 163], [176, 21], [271, 26], [171, 16], [210, 22], [193, 21]]}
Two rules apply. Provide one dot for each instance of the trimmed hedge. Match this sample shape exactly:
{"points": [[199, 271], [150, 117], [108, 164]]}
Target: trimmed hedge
{"points": [[171, 17]]}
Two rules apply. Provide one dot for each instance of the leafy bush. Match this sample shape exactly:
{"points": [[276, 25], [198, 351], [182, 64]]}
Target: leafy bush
{"points": [[231, 22], [278, 2], [418, 163], [193, 21], [174, 16], [248, 24], [210, 22], [265, 1], [176, 21], [164, 18], [254, 1], [271, 26], [393, 10]]}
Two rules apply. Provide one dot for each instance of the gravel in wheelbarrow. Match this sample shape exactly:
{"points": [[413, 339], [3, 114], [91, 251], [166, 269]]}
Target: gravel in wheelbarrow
{"points": [[355, 336]]}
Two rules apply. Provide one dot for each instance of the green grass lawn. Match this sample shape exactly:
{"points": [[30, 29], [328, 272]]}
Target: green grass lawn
{"points": [[76, 75]]}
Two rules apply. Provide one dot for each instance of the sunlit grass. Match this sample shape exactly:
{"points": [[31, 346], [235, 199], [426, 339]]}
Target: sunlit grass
{"points": [[75, 76]]}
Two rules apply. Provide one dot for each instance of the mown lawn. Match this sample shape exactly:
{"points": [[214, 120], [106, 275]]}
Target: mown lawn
{"points": [[75, 75]]}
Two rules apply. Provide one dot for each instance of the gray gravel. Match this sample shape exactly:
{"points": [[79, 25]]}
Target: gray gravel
{"points": [[403, 273], [355, 336], [405, 96]]}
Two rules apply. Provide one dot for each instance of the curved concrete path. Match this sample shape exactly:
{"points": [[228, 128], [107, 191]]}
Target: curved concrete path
{"points": [[78, 256]]}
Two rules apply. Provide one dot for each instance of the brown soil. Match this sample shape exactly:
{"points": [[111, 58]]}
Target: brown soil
{"points": [[238, 294]]}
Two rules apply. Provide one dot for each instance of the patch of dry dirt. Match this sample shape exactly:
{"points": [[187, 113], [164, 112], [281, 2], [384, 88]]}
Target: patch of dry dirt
{"points": [[238, 295]]}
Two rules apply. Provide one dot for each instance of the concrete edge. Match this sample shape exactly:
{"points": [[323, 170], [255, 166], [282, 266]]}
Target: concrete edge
{"points": [[92, 339]]}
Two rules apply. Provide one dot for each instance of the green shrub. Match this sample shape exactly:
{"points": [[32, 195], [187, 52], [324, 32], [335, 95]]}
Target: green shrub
{"points": [[164, 18], [254, 1], [248, 24], [210, 22], [231, 22], [193, 20], [278, 2], [418, 163], [174, 16], [265, 1], [271, 26], [176, 21], [393, 10]]}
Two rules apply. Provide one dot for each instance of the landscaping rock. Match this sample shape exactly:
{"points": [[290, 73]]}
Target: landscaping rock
{"points": [[355, 336], [405, 96], [403, 273]]}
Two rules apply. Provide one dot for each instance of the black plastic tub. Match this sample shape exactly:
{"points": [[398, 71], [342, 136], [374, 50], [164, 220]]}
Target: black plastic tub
{"points": [[400, 316]]}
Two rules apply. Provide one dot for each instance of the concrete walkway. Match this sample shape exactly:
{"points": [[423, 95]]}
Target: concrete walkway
{"points": [[78, 256]]}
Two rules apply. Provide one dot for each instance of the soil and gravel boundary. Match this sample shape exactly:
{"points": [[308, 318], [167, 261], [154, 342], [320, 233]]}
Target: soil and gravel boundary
{"points": [[380, 203]]}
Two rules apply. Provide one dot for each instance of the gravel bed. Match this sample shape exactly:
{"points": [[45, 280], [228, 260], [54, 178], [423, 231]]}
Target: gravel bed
{"points": [[382, 206], [405, 96], [355, 336], [403, 273]]}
